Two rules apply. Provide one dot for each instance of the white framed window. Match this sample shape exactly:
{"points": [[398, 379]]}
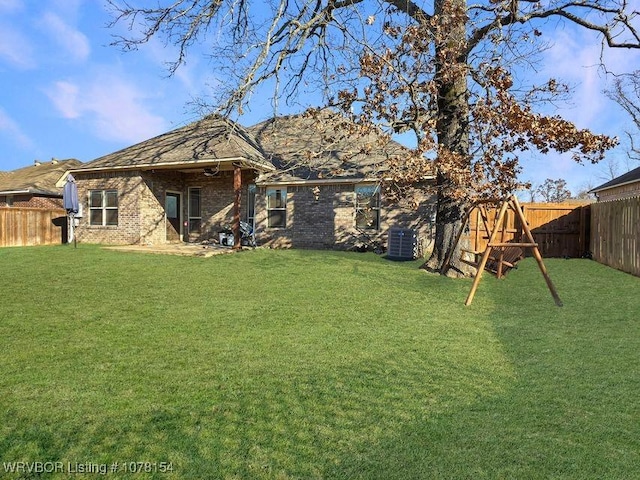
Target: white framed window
{"points": [[367, 207], [103, 207], [195, 209], [277, 207]]}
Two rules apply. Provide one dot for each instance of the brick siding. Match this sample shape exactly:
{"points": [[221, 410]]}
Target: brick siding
{"points": [[31, 201], [141, 200], [329, 221]]}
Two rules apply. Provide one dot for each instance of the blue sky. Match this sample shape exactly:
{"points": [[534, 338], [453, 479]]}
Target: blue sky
{"points": [[67, 94]]}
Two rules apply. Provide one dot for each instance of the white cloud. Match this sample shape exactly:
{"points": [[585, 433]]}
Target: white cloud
{"points": [[110, 104], [11, 6], [64, 96], [15, 48], [574, 58], [74, 42], [12, 130]]}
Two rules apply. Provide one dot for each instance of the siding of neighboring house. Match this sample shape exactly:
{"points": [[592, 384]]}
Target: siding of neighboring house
{"points": [[618, 193], [329, 222], [30, 201]]}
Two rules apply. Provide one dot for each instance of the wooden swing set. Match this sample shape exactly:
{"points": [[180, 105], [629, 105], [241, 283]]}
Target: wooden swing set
{"points": [[500, 254]]}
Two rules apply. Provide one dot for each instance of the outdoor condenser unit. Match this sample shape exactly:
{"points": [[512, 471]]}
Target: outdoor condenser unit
{"points": [[402, 244]]}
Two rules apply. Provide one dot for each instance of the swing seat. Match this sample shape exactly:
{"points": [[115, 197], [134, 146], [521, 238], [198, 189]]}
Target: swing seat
{"points": [[508, 258]]}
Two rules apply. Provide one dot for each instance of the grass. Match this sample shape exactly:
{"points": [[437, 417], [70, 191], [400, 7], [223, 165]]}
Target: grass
{"points": [[297, 364]]}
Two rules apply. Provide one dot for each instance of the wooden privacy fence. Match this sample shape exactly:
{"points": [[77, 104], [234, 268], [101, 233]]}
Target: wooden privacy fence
{"points": [[615, 234], [559, 229], [32, 226]]}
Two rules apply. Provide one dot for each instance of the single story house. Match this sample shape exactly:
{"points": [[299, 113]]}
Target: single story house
{"points": [[624, 186], [299, 186], [35, 186], [181, 186]]}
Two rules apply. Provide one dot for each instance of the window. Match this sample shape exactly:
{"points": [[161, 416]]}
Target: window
{"points": [[195, 212], [251, 204], [103, 207], [367, 207], [276, 207]]}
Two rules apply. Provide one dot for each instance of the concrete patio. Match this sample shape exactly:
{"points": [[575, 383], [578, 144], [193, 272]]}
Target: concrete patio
{"points": [[184, 249]]}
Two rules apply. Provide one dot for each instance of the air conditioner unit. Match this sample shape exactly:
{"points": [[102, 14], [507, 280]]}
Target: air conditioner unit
{"points": [[402, 244]]}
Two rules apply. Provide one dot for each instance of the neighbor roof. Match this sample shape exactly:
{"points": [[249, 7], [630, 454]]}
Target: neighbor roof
{"points": [[39, 178], [203, 143], [629, 177], [303, 148]]}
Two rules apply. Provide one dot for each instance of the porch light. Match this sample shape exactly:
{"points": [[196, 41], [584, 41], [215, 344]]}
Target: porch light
{"points": [[316, 193]]}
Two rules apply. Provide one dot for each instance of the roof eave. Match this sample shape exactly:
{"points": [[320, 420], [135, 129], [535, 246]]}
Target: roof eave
{"points": [[599, 189], [200, 163], [325, 181], [14, 192], [31, 191]]}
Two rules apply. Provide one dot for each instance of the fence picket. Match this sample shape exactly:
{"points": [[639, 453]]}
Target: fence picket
{"points": [[615, 234], [560, 229], [31, 226]]}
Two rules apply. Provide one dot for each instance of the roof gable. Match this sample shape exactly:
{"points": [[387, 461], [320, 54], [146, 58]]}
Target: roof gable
{"points": [[208, 140]]}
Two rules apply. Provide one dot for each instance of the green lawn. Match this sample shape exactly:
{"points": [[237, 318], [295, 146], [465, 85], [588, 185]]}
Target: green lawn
{"points": [[296, 364]]}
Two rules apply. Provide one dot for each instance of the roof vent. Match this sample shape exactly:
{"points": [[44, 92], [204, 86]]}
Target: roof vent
{"points": [[402, 244], [37, 163]]}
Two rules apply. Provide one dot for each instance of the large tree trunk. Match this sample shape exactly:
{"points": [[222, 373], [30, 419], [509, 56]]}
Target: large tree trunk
{"points": [[453, 137], [449, 221]]}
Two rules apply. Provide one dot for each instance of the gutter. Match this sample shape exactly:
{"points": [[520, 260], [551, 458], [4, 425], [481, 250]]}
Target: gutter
{"points": [[172, 165], [325, 181], [30, 192]]}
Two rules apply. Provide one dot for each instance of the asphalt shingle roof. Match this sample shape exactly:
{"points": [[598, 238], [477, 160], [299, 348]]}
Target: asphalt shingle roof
{"points": [[304, 148], [632, 176], [210, 139], [39, 178]]}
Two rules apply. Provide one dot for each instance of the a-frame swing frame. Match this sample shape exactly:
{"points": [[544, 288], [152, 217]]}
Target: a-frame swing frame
{"points": [[498, 228]]}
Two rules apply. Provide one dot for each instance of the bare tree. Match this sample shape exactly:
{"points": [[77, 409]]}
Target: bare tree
{"points": [[584, 191], [626, 93], [554, 191], [445, 70]]}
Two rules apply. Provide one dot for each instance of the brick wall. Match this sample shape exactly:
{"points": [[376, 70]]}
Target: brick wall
{"points": [[324, 223], [31, 201], [141, 200], [329, 221], [131, 188], [216, 202]]}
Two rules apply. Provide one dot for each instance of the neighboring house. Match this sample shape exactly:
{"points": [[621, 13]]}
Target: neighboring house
{"points": [[624, 186], [326, 190], [35, 186], [179, 186], [299, 187]]}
